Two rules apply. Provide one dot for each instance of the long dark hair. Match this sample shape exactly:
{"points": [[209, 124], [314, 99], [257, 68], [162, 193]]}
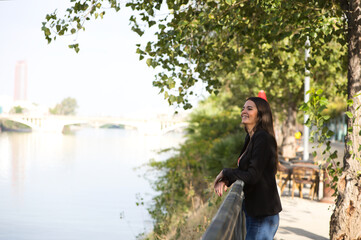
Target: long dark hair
{"points": [[265, 119]]}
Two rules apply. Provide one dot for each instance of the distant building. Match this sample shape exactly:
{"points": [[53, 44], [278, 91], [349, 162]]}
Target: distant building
{"points": [[21, 81]]}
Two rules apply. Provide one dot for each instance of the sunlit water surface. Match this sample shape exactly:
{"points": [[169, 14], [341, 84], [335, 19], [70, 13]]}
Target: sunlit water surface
{"points": [[79, 186]]}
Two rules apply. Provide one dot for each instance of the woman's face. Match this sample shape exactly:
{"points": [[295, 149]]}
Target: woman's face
{"points": [[249, 114]]}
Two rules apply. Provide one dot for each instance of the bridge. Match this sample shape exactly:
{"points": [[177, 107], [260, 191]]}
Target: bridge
{"points": [[56, 123]]}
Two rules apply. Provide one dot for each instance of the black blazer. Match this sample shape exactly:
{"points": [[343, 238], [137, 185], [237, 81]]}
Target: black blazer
{"points": [[257, 169]]}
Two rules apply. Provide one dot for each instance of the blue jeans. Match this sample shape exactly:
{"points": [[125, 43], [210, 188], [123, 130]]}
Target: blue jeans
{"points": [[261, 228]]}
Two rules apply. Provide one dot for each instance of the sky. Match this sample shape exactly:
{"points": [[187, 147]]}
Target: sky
{"points": [[105, 77]]}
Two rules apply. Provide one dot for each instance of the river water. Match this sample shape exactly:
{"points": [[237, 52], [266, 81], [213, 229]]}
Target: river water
{"points": [[84, 185]]}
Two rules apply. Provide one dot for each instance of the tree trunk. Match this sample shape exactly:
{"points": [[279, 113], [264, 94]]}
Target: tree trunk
{"points": [[288, 147], [346, 218]]}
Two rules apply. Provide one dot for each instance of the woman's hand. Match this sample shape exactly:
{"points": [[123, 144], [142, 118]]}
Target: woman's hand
{"points": [[219, 184]]}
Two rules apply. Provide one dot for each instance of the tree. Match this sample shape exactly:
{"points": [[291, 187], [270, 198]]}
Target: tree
{"points": [[284, 86], [206, 40], [346, 219], [17, 109], [67, 107], [203, 40]]}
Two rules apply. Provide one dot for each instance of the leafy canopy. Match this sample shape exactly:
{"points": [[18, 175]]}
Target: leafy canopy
{"points": [[202, 41]]}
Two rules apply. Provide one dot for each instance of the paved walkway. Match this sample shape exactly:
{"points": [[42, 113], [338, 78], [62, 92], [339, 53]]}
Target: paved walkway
{"points": [[304, 219]]}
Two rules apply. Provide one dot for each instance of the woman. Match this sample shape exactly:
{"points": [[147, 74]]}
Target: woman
{"points": [[257, 167]]}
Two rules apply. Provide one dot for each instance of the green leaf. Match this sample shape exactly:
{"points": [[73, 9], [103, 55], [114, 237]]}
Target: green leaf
{"points": [[75, 47], [356, 95], [138, 31], [330, 133], [172, 98], [326, 117], [333, 155], [319, 91], [149, 62], [304, 107], [323, 101], [349, 114], [47, 32], [349, 102], [161, 26], [320, 123], [151, 23]]}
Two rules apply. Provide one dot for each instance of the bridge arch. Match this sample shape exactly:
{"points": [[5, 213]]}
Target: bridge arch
{"points": [[22, 122]]}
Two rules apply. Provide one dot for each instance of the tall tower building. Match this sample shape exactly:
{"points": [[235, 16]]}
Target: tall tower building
{"points": [[21, 81]]}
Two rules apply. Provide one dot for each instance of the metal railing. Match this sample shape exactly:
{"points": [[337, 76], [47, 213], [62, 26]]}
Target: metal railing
{"points": [[229, 222]]}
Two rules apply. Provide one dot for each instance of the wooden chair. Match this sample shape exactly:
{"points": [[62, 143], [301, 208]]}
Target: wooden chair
{"points": [[305, 175], [283, 176]]}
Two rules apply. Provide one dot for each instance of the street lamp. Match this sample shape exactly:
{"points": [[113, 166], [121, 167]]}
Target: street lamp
{"points": [[306, 130]]}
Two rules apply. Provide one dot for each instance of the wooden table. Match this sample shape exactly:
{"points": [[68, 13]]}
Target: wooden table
{"points": [[306, 173]]}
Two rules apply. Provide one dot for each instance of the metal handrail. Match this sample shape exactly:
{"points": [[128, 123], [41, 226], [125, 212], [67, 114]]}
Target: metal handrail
{"points": [[229, 222]]}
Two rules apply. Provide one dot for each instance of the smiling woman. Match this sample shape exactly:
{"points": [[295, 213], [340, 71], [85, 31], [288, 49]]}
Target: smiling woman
{"points": [[249, 116], [257, 166]]}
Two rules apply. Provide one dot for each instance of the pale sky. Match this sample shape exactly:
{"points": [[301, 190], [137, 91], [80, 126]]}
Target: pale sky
{"points": [[106, 76]]}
